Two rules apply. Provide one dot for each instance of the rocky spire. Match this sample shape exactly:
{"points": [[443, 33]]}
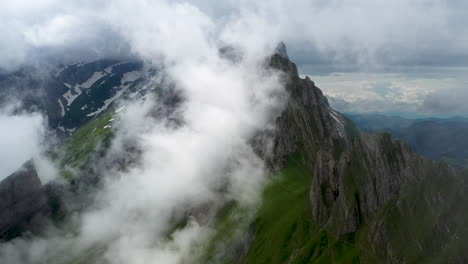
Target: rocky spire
{"points": [[281, 50]]}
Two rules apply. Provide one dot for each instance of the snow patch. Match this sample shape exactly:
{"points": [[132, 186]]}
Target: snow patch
{"points": [[57, 74], [96, 76], [70, 97], [71, 130], [341, 125], [127, 80], [62, 109], [336, 117], [109, 69], [107, 102], [120, 109], [130, 77]]}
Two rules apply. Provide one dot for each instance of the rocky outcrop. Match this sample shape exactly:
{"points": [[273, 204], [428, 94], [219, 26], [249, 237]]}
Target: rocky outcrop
{"points": [[397, 203], [25, 204]]}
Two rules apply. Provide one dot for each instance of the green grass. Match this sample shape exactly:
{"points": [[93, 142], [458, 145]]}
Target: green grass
{"points": [[283, 230], [283, 223], [79, 148], [232, 221]]}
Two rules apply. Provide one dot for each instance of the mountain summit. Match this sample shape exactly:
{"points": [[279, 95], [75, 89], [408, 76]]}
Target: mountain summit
{"points": [[351, 197]]}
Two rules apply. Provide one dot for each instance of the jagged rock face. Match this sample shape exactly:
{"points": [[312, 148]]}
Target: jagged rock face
{"points": [[20, 201], [307, 121], [25, 204], [440, 139], [370, 185]]}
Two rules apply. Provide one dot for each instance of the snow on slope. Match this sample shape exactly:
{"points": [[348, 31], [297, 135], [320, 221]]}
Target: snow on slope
{"points": [[96, 76]]}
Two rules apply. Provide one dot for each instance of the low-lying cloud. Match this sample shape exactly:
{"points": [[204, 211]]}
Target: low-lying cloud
{"points": [[206, 159], [20, 138], [23, 137], [186, 169]]}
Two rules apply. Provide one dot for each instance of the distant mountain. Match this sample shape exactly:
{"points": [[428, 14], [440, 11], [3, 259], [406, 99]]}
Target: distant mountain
{"points": [[70, 95], [436, 138]]}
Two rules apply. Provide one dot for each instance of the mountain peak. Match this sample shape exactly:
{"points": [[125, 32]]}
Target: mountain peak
{"points": [[281, 50]]}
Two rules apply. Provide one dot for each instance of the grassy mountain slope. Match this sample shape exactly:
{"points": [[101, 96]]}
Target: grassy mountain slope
{"points": [[351, 197], [335, 195]]}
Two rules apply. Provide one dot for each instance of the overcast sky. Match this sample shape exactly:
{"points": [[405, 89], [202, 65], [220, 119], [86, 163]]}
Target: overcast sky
{"points": [[426, 37]]}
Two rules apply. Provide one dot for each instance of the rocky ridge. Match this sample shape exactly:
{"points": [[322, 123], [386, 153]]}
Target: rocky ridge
{"points": [[399, 206], [369, 191]]}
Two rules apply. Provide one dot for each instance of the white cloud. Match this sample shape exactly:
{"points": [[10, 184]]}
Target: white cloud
{"points": [[20, 138], [424, 93], [366, 32], [182, 168]]}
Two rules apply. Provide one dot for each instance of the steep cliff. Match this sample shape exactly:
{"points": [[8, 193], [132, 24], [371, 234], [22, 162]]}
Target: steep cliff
{"points": [[342, 196], [336, 195], [26, 205]]}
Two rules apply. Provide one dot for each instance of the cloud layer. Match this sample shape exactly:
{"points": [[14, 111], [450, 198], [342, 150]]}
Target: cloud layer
{"points": [[426, 92], [364, 33]]}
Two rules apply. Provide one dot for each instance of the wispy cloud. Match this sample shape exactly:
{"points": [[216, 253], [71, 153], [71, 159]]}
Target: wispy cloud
{"points": [[23, 137]]}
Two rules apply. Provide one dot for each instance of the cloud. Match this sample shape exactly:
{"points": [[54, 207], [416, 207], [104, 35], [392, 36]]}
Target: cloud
{"points": [[365, 33], [427, 91], [378, 32], [206, 158], [20, 138], [50, 31], [186, 169], [447, 102]]}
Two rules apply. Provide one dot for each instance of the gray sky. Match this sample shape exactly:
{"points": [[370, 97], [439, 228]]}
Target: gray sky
{"points": [[365, 36]]}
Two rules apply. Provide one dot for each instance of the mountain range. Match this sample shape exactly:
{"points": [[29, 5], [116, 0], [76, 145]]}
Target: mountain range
{"points": [[335, 194], [73, 94], [436, 138]]}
